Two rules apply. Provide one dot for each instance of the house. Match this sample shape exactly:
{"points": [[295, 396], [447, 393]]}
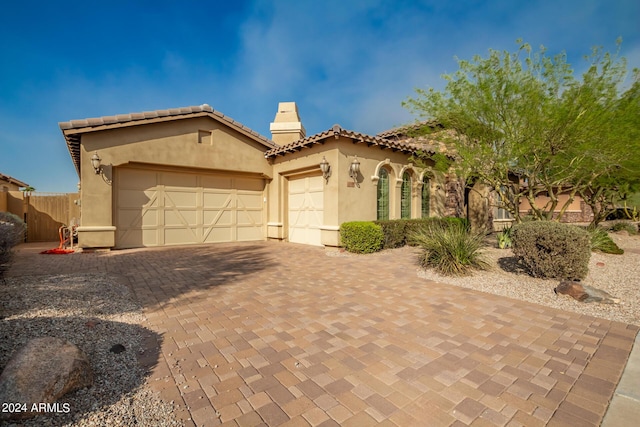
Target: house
{"points": [[7, 203], [8, 183], [193, 175]]}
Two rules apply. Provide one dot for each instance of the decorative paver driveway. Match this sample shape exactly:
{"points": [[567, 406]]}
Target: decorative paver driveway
{"points": [[281, 334]]}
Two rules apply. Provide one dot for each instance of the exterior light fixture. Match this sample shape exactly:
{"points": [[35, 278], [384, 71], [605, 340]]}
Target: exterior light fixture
{"points": [[95, 162], [325, 167], [354, 168], [99, 169]]}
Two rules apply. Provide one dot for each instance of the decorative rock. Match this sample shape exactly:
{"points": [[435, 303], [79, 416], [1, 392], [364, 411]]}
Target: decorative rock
{"points": [[585, 293], [117, 348], [41, 372]]}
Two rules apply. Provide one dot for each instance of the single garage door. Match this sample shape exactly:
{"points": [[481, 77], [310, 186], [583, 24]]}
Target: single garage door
{"points": [[157, 208], [306, 201]]}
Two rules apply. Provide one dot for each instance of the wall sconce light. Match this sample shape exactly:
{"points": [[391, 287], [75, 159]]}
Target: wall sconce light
{"points": [[98, 168], [95, 162], [325, 167], [354, 168]]}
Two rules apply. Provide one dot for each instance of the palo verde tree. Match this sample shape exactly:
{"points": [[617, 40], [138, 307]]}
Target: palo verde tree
{"points": [[523, 124]]}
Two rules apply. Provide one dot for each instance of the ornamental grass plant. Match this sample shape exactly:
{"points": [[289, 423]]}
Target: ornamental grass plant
{"points": [[450, 248]]}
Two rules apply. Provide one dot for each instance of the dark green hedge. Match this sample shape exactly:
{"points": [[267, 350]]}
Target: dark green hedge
{"points": [[397, 231], [363, 237]]}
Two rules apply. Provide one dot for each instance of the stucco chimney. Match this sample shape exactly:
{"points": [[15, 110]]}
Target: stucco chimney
{"points": [[287, 127]]}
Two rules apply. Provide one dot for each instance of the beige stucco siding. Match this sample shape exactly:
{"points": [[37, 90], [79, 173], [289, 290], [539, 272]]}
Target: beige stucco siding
{"points": [[199, 144], [343, 200]]}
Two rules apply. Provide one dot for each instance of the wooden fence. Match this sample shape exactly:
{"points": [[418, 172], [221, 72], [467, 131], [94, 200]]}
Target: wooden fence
{"points": [[44, 213]]}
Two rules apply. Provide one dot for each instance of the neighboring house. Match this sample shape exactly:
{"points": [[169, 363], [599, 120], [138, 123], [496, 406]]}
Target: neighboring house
{"points": [[193, 175], [8, 183]]}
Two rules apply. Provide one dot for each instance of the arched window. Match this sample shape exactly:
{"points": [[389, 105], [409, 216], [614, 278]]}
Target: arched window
{"points": [[426, 193], [405, 201], [383, 195]]}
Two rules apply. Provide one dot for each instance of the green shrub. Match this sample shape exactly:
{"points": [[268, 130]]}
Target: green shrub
{"points": [[397, 232], [450, 248], [626, 226], [363, 237], [415, 226], [552, 250], [600, 241], [394, 233], [12, 231]]}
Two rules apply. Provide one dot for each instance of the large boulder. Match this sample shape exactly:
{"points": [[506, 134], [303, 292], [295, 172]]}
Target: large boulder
{"points": [[41, 372], [584, 293]]}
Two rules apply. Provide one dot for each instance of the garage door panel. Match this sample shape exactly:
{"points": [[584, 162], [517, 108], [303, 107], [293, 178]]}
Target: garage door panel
{"points": [[131, 218], [219, 235], [165, 208], [249, 201], [222, 183], [306, 200], [249, 218], [246, 184], [218, 218], [180, 199], [135, 179], [137, 198], [184, 180], [180, 218], [248, 233], [215, 199], [178, 236]]}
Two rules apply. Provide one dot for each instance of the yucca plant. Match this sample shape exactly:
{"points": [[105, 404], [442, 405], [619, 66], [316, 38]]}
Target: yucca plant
{"points": [[451, 249]]}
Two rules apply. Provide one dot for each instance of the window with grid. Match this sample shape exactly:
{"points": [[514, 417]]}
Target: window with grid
{"points": [[426, 192], [383, 195], [500, 213], [405, 201]]}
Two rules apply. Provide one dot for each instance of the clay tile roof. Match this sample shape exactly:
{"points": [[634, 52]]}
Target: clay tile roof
{"points": [[429, 142], [13, 180], [335, 132], [72, 130]]}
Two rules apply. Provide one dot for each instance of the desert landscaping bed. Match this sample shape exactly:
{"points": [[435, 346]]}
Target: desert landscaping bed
{"points": [[95, 313], [619, 275]]}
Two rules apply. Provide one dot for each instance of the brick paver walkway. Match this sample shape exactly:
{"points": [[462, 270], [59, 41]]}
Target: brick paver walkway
{"points": [[281, 334]]}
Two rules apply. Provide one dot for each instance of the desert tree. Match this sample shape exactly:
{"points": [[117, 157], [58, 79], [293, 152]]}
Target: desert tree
{"points": [[522, 123]]}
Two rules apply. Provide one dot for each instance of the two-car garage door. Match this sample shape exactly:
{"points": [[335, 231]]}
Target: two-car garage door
{"points": [[157, 208]]}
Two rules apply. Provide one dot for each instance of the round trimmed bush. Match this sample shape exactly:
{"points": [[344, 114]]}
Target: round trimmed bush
{"points": [[363, 237], [552, 250]]}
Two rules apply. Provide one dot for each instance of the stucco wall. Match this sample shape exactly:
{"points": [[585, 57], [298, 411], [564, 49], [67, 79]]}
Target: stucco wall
{"points": [[201, 143], [343, 200]]}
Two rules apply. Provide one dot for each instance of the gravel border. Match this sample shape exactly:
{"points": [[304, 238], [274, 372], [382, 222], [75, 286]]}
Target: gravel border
{"points": [[619, 275], [94, 312]]}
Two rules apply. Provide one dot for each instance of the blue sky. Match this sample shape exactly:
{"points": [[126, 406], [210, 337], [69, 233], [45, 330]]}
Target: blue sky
{"points": [[350, 62]]}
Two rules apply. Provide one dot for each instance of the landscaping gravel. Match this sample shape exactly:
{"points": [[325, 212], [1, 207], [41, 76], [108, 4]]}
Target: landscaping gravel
{"points": [[95, 313], [619, 275]]}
